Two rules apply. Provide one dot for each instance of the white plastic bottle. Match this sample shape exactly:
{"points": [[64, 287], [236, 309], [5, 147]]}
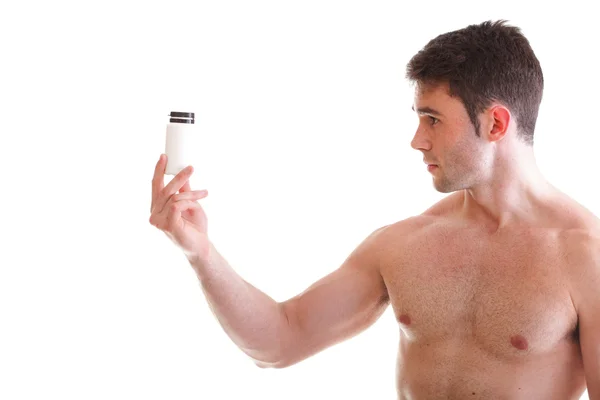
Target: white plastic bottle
{"points": [[181, 136]]}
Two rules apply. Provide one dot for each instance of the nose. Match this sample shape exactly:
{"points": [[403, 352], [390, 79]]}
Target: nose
{"points": [[420, 141]]}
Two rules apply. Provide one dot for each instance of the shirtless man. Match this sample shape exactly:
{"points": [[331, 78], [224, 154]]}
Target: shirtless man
{"points": [[496, 288]]}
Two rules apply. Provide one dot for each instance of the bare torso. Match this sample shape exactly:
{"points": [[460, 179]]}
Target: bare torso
{"points": [[484, 315]]}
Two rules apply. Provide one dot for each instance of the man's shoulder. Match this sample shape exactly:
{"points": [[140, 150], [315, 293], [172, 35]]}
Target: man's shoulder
{"points": [[579, 243], [572, 227], [572, 216], [411, 226], [581, 252]]}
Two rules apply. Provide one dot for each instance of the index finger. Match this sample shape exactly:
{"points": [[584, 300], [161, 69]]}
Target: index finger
{"points": [[186, 187], [158, 179], [178, 181]]}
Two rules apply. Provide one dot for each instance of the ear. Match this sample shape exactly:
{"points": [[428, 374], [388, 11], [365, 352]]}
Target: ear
{"points": [[499, 120]]}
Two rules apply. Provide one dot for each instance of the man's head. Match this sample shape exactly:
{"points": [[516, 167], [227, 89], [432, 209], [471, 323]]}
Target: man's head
{"points": [[485, 82]]}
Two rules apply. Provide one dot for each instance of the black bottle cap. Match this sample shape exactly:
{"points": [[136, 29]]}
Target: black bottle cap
{"points": [[182, 117]]}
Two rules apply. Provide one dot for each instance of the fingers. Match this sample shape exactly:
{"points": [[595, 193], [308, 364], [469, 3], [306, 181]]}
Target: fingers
{"points": [[186, 187], [172, 187], [158, 179], [193, 195], [185, 196], [168, 217], [175, 210], [171, 216], [179, 180]]}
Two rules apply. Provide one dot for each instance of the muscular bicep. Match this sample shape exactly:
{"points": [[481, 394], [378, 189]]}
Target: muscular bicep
{"points": [[337, 307]]}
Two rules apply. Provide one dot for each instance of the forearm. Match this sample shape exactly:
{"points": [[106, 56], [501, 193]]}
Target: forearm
{"points": [[254, 321]]}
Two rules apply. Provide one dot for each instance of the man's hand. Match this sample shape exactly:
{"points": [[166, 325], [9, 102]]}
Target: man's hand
{"points": [[178, 214]]}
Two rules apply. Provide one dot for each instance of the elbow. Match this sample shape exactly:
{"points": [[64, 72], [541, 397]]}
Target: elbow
{"points": [[278, 358], [278, 363], [274, 365], [263, 361], [263, 365]]}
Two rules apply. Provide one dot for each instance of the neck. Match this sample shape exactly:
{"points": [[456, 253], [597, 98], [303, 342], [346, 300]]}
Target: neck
{"points": [[511, 192]]}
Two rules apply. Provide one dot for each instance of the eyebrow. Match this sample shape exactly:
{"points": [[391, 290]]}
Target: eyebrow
{"points": [[427, 110]]}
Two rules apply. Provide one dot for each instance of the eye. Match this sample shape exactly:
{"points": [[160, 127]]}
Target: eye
{"points": [[433, 120]]}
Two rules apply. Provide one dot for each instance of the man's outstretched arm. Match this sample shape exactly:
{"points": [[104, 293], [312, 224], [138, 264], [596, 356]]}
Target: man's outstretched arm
{"points": [[337, 307]]}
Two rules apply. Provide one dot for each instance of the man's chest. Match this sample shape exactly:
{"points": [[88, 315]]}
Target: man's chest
{"points": [[509, 297]]}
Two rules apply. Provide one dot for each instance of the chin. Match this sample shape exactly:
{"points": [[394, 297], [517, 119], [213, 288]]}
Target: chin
{"points": [[445, 190], [447, 187]]}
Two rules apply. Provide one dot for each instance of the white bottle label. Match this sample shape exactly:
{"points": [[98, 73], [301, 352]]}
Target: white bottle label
{"points": [[179, 146]]}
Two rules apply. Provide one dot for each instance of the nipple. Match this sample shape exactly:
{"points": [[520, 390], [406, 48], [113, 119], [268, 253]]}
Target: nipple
{"points": [[405, 319], [519, 342]]}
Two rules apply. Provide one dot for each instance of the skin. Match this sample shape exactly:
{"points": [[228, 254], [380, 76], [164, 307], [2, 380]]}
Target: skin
{"points": [[495, 288]]}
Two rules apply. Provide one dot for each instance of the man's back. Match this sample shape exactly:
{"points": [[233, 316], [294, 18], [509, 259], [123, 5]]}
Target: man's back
{"points": [[486, 314]]}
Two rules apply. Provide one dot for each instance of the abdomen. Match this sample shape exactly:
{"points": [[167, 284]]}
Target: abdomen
{"points": [[458, 369]]}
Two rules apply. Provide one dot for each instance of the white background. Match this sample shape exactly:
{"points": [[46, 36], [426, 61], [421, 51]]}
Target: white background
{"points": [[305, 120]]}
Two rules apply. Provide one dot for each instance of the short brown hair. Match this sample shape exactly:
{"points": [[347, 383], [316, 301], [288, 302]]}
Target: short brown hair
{"points": [[482, 63]]}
